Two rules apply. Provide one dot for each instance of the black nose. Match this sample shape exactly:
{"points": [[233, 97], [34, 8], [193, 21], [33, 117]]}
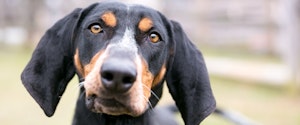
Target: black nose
{"points": [[118, 75]]}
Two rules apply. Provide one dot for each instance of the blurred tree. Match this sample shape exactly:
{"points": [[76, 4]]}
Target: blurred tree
{"points": [[32, 8], [290, 31], [19, 14], [296, 44]]}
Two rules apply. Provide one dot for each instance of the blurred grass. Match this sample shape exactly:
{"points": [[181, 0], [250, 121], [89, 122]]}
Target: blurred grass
{"points": [[263, 104], [17, 107], [237, 51], [266, 105]]}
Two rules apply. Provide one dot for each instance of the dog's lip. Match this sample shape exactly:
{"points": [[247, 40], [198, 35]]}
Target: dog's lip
{"points": [[110, 106], [112, 102], [115, 106]]}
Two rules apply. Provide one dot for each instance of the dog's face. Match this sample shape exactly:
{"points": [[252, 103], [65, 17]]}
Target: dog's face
{"points": [[114, 49], [123, 54]]}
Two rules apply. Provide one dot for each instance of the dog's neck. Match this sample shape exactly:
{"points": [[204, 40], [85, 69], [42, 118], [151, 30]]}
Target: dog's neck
{"points": [[127, 120]]}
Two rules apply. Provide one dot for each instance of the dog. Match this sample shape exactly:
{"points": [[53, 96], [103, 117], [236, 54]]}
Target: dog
{"points": [[122, 55]]}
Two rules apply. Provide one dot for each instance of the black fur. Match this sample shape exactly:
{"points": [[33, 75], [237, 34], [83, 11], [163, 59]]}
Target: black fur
{"points": [[51, 66], [187, 71]]}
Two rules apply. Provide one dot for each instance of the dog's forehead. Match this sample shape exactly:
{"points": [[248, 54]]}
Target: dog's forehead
{"points": [[124, 8], [126, 15]]}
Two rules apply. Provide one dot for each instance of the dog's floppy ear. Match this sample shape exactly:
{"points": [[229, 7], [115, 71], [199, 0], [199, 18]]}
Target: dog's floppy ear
{"points": [[188, 80], [51, 66]]}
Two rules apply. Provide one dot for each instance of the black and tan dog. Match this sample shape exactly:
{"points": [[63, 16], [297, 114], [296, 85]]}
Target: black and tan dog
{"points": [[122, 54]]}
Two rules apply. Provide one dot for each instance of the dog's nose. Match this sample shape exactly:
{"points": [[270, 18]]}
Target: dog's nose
{"points": [[118, 75]]}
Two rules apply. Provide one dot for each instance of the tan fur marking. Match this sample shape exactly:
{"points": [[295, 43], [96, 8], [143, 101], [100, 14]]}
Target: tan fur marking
{"points": [[159, 76], [147, 79], [88, 68], [77, 62], [109, 19], [145, 24], [92, 76]]}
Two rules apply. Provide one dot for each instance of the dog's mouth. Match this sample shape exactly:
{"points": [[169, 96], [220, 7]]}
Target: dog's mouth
{"points": [[109, 106], [115, 106], [111, 103]]}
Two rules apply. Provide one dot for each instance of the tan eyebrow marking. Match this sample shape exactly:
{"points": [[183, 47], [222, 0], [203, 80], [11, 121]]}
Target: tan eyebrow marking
{"points": [[109, 19], [145, 24]]}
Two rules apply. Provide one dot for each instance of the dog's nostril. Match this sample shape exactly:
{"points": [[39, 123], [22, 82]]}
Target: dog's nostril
{"points": [[118, 81], [129, 79], [107, 76]]}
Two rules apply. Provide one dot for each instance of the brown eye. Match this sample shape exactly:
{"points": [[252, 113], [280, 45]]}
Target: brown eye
{"points": [[154, 37], [95, 28]]}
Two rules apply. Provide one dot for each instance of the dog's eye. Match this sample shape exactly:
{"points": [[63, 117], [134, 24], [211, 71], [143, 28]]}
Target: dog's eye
{"points": [[95, 28], [154, 37]]}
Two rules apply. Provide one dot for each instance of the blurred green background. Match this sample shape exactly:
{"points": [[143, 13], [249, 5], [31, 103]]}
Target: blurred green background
{"points": [[251, 49]]}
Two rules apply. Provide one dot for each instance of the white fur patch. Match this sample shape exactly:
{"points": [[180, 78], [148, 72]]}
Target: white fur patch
{"points": [[127, 42]]}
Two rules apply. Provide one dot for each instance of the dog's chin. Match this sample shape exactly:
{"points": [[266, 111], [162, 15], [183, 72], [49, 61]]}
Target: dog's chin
{"points": [[117, 108]]}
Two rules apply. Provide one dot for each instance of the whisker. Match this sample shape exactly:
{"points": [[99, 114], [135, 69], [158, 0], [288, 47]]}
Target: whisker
{"points": [[81, 84], [82, 94], [153, 93], [148, 101], [74, 87]]}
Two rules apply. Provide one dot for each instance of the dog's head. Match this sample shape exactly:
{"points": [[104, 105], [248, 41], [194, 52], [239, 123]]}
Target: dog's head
{"points": [[123, 54]]}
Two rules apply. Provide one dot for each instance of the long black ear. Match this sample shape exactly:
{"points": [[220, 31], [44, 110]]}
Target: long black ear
{"points": [[188, 80], [51, 66]]}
